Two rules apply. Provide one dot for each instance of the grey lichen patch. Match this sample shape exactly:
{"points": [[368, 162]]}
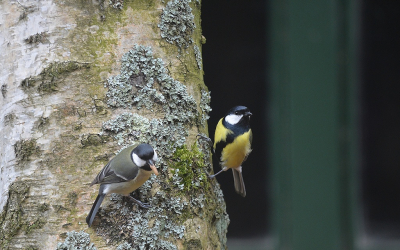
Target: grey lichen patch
{"points": [[11, 218], [47, 80], [24, 149], [136, 85], [144, 82], [117, 4], [76, 241], [37, 38], [197, 54], [221, 221], [130, 128], [213, 202], [205, 106], [124, 246], [154, 228], [176, 23]]}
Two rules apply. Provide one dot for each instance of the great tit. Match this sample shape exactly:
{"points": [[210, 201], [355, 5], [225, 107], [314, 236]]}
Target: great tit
{"points": [[232, 144], [123, 174]]}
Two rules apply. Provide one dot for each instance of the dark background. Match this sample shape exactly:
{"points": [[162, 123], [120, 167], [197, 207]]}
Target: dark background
{"points": [[235, 64], [234, 60], [380, 116]]}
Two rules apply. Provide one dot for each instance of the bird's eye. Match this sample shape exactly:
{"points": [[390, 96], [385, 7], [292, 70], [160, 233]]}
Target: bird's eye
{"points": [[236, 112]]}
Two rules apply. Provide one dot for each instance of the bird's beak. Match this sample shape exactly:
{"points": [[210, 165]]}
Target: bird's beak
{"points": [[248, 113], [153, 167]]}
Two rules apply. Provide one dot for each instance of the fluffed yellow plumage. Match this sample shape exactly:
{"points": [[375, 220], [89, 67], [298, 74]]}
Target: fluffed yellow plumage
{"points": [[236, 152], [232, 144]]}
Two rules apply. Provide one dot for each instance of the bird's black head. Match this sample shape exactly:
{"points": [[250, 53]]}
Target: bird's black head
{"points": [[238, 115], [145, 157]]}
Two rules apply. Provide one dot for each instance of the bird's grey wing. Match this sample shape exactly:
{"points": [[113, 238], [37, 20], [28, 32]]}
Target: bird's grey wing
{"points": [[120, 169], [123, 166], [107, 175]]}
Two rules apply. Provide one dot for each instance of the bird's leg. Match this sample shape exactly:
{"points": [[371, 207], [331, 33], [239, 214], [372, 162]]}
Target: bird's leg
{"points": [[141, 204], [212, 176], [207, 139]]}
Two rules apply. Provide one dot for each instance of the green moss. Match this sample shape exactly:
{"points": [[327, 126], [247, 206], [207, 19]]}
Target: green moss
{"points": [[38, 223], [93, 139], [188, 165], [72, 199], [42, 122], [43, 207], [101, 107], [24, 149], [37, 38], [193, 245], [78, 126], [11, 218], [31, 247], [9, 119], [47, 80]]}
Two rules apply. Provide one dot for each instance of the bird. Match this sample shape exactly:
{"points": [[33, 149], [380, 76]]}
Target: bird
{"points": [[232, 144], [123, 174]]}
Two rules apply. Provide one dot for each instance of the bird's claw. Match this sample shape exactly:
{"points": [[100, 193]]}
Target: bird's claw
{"points": [[210, 176], [140, 204], [144, 205]]}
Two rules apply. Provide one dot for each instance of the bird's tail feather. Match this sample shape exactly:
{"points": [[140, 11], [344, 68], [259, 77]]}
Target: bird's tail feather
{"points": [[238, 180], [95, 208]]}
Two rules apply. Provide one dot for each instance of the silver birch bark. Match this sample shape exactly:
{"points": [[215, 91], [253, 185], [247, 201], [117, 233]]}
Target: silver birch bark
{"points": [[80, 80]]}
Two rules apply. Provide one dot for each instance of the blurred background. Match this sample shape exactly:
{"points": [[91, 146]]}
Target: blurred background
{"points": [[322, 81]]}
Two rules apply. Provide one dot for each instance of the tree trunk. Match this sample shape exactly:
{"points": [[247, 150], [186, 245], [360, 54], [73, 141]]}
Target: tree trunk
{"points": [[80, 80]]}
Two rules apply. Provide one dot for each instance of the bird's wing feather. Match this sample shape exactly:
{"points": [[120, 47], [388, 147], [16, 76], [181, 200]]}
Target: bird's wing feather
{"points": [[222, 137], [123, 166], [251, 140], [120, 169]]}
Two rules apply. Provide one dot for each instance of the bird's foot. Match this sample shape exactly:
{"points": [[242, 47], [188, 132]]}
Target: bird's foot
{"points": [[210, 176], [140, 204], [204, 137]]}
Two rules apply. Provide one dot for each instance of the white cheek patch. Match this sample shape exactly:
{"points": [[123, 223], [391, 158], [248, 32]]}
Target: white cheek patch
{"points": [[136, 159], [155, 157], [233, 119]]}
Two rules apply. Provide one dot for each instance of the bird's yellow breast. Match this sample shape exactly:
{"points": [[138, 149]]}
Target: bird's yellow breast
{"points": [[235, 153]]}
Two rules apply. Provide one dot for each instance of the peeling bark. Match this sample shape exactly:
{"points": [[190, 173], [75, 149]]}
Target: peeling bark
{"points": [[80, 80]]}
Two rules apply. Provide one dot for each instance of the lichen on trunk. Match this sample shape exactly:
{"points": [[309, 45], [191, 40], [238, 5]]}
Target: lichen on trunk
{"points": [[89, 79]]}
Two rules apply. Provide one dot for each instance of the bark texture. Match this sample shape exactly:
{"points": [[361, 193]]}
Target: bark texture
{"points": [[80, 80]]}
